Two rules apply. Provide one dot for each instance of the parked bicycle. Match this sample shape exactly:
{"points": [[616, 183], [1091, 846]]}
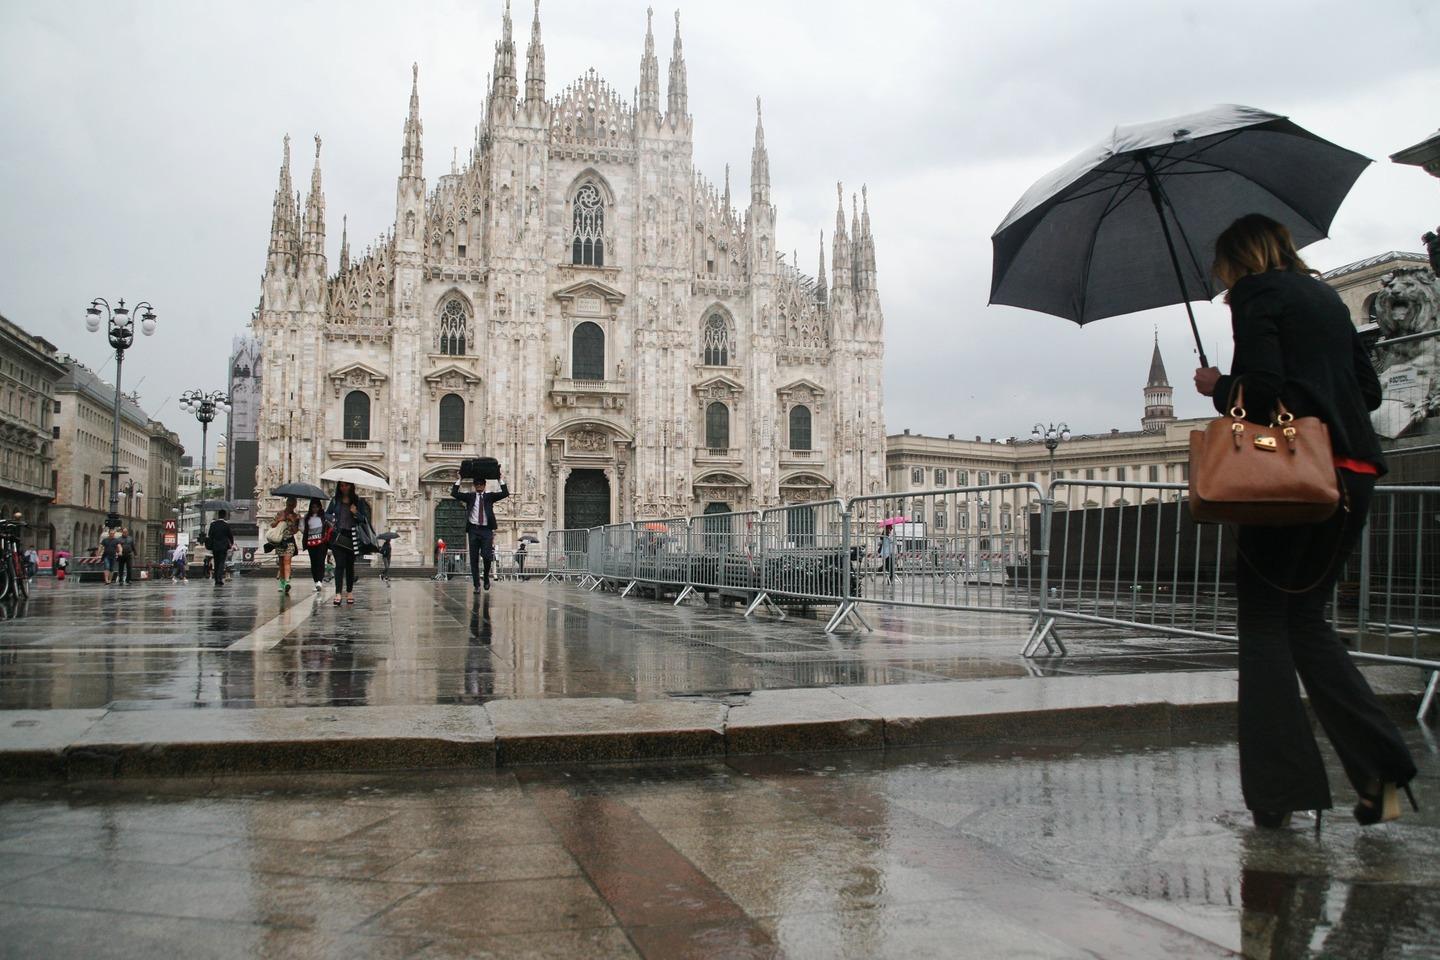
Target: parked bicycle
{"points": [[13, 581]]}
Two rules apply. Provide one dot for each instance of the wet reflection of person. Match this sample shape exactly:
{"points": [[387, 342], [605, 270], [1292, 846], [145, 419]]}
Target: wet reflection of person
{"points": [[479, 668]]}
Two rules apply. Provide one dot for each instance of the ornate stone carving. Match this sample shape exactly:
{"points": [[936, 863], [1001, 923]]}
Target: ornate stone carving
{"points": [[589, 441], [1408, 303]]}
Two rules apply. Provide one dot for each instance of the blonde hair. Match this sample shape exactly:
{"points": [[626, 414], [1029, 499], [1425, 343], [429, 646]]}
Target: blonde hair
{"points": [[1255, 244]]}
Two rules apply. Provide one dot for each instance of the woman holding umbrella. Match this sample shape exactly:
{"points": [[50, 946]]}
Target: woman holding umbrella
{"points": [[1294, 339], [317, 539], [289, 523], [346, 512]]}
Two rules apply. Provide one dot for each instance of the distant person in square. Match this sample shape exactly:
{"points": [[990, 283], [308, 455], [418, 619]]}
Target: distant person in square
{"points": [[480, 526], [219, 539], [178, 557], [520, 559], [124, 552], [109, 550]]}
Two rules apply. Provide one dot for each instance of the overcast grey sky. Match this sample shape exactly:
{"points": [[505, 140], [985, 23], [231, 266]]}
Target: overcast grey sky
{"points": [[141, 142]]}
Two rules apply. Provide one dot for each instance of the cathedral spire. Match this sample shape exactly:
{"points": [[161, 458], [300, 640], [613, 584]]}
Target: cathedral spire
{"points": [[679, 100], [506, 87], [1158, 377], [283, 237], [866, 266], [313, 249], [759, 164], [857, 256], [649, 95], [820, 292], [535, 66], [344, 245], [411, 155], [725, 197], [840, 244]]}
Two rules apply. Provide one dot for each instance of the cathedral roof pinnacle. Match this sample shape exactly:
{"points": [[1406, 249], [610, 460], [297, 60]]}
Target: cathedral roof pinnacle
{"points": [[1157, 376]]}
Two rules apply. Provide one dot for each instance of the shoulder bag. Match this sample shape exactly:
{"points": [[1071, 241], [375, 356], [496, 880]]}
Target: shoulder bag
{"points": [[1277, 476]]}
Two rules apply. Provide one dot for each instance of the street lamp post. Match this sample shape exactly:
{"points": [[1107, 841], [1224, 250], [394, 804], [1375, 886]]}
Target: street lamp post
{"points": [[120, 327], [206, 407], [1052, 435]]}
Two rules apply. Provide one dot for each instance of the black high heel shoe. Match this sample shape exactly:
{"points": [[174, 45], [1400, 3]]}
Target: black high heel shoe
{"points": [[1383, 805], [1280, 819]]}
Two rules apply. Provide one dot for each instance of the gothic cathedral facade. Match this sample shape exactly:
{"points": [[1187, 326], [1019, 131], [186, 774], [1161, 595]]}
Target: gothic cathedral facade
{"points": [[577, 301]]}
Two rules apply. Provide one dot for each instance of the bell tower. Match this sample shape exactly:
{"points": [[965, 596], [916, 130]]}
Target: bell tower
{"points": [[1159, 397]]}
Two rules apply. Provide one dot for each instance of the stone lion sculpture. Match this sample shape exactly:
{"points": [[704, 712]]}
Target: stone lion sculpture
{"points": [[1408, 303]]}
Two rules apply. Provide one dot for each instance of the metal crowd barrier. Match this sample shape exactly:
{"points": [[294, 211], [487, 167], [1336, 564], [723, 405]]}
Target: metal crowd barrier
{"points": [[1129, 555], [805, 555], [662, 552], [566, 554], [724, 555], [616, 555], [964, 548]]}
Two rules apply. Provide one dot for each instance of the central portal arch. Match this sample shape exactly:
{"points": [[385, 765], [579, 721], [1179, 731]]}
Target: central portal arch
{"points": [[587, 499]]}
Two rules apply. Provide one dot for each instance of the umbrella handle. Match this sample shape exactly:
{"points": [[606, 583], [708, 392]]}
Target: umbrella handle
{"points": [[1157, 197]]}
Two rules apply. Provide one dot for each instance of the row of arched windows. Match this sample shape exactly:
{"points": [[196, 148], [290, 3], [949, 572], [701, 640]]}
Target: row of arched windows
{"points": [[357, 417], [717, 426]]}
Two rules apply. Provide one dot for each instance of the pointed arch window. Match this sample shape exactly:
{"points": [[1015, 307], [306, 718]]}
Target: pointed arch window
{"points": [[800, 422], [587, 245], [452, 419], [717, 426], [453, 322], [587, 352], [357, 415], [717, 343]]}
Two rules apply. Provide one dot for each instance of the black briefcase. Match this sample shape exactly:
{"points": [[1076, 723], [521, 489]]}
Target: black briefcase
{"points": [[480, 468]]}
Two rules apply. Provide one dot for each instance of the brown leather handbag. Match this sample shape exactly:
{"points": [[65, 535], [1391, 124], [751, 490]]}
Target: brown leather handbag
{"points": [[1282, 475]]}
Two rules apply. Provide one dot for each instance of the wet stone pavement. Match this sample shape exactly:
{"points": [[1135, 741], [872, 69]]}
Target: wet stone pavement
{"points": [[1126, 846], [418, 642]]}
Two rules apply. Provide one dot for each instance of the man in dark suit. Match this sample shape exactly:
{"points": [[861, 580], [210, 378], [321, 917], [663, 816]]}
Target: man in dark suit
{"points": [[219, 539], [480, 525]]}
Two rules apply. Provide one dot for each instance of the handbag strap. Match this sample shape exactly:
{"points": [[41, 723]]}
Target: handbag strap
{"points": [[1329, 564], [1235, 404]]}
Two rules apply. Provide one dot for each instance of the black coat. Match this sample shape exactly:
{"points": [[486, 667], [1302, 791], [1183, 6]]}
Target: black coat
{"points": [[1294, 340], [487, 514], [219, 537]]}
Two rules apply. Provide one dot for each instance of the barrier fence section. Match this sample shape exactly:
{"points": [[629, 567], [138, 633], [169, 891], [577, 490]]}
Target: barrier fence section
{"points": [[805, 555], [566, 554], [617, 555], [963, 548], [662, 552], [1128, 555], [724, 554]]}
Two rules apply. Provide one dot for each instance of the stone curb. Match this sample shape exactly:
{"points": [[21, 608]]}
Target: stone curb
{"points": [[102, 744]]}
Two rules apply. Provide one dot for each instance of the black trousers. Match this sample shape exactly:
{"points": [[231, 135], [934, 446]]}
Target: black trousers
{"points": [[217, 567], [344, 570], [317, 563], [1282, 633], [482, 546]]}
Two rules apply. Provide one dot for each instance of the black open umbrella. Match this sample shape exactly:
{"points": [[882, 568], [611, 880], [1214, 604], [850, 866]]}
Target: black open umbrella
{"points": [[388, 535], [1131, 223], [301, 491]]}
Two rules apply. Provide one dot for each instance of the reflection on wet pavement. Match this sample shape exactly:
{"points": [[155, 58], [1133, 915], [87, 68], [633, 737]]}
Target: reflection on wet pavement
{"points": [[1125, 846], [418, 642]]}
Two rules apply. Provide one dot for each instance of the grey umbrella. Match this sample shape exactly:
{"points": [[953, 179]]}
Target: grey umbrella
{"points": [[301, 491], [1131, 223]]}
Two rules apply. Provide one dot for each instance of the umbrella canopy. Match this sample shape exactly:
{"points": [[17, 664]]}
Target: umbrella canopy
{"points": [[301, 491], [388, 535], [529, 539], [1131, 223], [361, 478], [893, 521]]}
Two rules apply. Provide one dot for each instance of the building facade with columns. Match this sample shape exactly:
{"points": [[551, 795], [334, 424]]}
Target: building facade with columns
{"points": [[29, 372], [578, 301]]}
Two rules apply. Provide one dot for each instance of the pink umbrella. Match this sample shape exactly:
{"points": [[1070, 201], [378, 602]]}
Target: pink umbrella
{"points": [[892, 521]]}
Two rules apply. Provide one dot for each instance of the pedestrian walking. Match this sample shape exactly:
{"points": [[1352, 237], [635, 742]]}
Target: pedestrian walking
{"points": [[32, 563], [385, 559], [219, 539], [520, 559], [887, 554], [440, 572], [124, 553], [178, 558], [62, 567], [282, 536], [109, 545], [317, 541], [1294, 343], [346, 512], [480, 526]]}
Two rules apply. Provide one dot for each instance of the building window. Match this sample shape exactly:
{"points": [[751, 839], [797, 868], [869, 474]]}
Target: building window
{"points": [[962, 478], [452, 328], [917, 477], [587, 352], [587, 247], [984, 478], [918, 516], [715, 349], [964, 520], [717, 426], [939, 519], [800, 421], [1030, 477], [357, 415], [1004, 478], [1154, 473], [1119, 473], [939, 476], [1089, 473], [1004, 521], [452, 419], [984, 521]]}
